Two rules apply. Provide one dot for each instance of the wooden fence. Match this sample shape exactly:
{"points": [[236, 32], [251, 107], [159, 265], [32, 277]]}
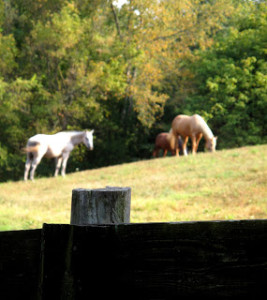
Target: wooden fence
{"points": [[213, 259]]}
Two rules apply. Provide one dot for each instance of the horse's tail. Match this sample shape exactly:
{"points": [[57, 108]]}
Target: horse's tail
{"points": [[172, 139], [32, 147]]}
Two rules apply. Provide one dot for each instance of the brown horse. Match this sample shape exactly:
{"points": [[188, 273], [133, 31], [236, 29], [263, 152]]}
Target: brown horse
{"points": [[163, 141], [194, 127]]}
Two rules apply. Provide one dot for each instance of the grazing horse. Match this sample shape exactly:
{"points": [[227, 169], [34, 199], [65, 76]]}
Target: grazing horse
{"points": [[163, 141], [56, 146], [194, 127]]}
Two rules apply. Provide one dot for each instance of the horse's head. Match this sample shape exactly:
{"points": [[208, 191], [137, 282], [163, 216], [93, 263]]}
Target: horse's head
{"points": [[88, 139], [211, 144]]}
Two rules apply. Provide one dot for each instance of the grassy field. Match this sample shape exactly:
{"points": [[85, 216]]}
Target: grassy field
{"points": [[226, 185]]}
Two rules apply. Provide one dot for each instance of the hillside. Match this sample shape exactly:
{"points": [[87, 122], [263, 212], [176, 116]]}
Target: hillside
{"points": [[229, 184]]}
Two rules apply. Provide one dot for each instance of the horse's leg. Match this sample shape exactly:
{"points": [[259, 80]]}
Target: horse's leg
{"points": [[199, 136], [27, 167], [165, 152], [180, 144], [176, 147], [193, 139], [184, 146], [65, 158], [35, 163], [58, 165]]}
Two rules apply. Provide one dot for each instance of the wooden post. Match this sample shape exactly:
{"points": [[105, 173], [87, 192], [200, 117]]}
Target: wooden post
{"points": [[110, 205]]}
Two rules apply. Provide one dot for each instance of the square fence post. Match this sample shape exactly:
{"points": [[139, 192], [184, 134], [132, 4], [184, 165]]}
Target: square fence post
{"points": [[110, 205]]}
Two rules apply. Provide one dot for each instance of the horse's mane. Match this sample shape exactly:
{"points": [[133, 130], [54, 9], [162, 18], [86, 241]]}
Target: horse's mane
{"points": [[206, 130]]}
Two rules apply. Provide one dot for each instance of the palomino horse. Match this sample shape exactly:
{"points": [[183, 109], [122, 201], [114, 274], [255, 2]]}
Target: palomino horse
{"points": [[56, 146], [194, 127], [163, 141]]}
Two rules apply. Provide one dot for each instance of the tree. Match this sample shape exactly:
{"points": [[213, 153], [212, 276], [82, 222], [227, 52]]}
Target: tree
{"points": [[231, 80], [126, 72]]}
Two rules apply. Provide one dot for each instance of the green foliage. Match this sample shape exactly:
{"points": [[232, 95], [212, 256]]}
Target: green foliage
{"points": [[231, 78], [7, 54], [24, 108]]}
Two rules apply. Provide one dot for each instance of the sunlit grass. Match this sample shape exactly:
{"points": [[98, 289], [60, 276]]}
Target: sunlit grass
{"points": [[225, 185]]}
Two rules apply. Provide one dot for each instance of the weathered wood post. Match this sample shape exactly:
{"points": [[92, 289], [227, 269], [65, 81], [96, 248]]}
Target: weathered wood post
{"points": [[110, 205]]}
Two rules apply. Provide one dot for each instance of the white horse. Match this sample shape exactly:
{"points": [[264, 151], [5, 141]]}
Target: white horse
{"points": [[56, 146]]}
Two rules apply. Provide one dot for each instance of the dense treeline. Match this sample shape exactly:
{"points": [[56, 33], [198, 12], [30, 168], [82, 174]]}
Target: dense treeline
{"points": [[127, 72]]}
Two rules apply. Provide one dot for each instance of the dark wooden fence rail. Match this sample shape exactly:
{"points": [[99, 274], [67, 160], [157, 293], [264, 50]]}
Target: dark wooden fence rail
{"points": [[213, 259]]}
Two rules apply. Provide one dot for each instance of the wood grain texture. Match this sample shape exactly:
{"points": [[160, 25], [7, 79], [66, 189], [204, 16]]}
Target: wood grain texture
{"points": [[109, 205], [19, 264], [216, 260], [156, 261]]}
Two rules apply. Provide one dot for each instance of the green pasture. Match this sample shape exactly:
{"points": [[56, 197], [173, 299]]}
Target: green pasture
{"points": [[229, 184]]}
